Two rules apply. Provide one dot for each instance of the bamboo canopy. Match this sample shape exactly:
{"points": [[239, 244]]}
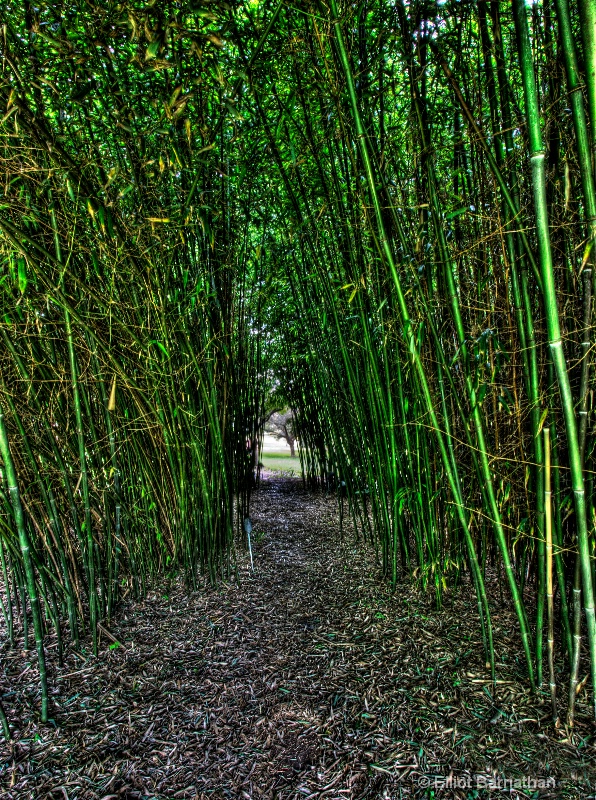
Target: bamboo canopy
{"points": [[383, 213]]}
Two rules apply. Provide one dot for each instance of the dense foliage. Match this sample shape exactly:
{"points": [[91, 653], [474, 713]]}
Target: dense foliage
{"points": [[382, 212]]}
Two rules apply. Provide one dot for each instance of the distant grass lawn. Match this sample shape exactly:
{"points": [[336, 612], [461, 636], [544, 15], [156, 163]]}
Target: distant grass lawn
{"points": [[281, 462]]}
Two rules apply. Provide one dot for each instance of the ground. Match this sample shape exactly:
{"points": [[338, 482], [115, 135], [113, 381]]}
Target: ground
{"points": [[308, 679], [281, 463]]}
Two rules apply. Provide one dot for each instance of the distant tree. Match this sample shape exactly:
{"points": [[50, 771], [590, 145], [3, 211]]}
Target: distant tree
{"points": [[281, 425]]}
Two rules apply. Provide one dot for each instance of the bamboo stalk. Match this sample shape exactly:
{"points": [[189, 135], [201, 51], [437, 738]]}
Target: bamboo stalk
{"points": [[405, 318], [550, 610], [25, 546], [552, 319]]}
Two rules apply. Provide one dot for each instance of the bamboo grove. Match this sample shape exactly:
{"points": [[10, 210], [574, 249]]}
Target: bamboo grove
{"points": [[384, 212]]}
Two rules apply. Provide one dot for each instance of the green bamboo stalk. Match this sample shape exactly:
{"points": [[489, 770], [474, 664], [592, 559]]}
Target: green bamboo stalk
{"points": [[9, 603], [550, 609], [50, 506], [25, 546], [90, 544], [576, 653], [552, 317], [76, 393], [486, 475], [557, 523], [406, 324], [587, 177], [508, 198], [4, 723], [587, 10]]}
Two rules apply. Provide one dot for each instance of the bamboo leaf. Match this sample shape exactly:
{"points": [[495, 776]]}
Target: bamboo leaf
{"points": [[152, 51], [22, 275], [457, 213], [161, 347], [112, 400], [542, 421], [586, 256]]}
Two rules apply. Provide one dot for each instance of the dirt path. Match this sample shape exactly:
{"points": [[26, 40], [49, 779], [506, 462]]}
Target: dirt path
{"points": [[309, 680]]}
